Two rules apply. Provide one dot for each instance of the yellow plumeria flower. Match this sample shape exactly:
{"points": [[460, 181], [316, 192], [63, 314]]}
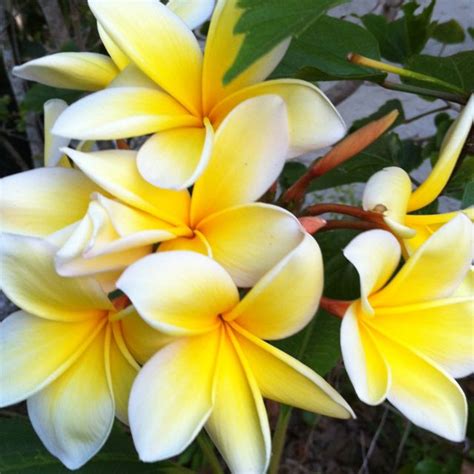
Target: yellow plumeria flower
{"points": [[406, 339], [215, 374], [391, 188], [127, 214], [180, 97], [64, 353]]}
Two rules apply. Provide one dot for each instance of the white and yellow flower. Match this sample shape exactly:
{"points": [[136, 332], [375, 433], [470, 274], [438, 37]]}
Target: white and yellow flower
{"points": [[407, 338], [65, 352], [215, 374], [390, 189], [174, 92], [127, 214]]}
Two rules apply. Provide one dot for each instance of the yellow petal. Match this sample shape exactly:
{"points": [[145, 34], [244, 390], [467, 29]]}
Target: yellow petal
{"points": [[174, 159], [131, 76], [373, 272], [435, 270], [314, 122], [197, 243], [249, 240], [390, 188], [158, 42], [363, 362], [34, 351], [95, 246], [116, 172], [122, 112], [222, 46], [30, 280], [193, 13], [42, 201], [441, 330], [142, 340], [172, 396], [179, 292], [286, 380], [123, 370], [449, 153], [249, 151], [244, 443], [286, 298], [117, 55], [73, 415], [423, 392], [82, 71], [53, 156]]}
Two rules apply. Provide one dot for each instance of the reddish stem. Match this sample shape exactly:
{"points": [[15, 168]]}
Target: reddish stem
{"points": [[336, 307], [343, 224]]}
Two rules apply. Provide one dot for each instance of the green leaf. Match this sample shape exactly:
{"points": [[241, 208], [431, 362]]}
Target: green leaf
{"points": [[320, 53], [38, 94], [470, 30], [462, 175], [393, 104], [457, 69], [267, 23], [23, 453], [449, 32], [292, 171], [401, 38], [468, 196]]}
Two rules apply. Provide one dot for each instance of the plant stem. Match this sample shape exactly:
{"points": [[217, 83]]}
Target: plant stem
{"points": [[209, 453], [424, 114], [279, 437], [353, 211], [345, 224], [335, 307], [458, 99]]}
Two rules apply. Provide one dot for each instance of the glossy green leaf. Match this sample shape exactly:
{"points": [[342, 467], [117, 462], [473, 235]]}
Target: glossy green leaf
{"points": [[266, 23], [449, 32], [468, 196], [401, 38], [38, 94], [320, 53]]}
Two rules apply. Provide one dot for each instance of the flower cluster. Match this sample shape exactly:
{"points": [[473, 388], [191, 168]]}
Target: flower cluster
{"points": [[148, 280]]}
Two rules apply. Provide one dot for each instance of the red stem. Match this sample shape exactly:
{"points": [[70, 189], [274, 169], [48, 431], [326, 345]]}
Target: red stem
{"points": [[335, 307], [343, 224]]}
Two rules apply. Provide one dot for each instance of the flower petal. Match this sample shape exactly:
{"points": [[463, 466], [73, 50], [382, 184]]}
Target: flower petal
{"points": [[53, 155], [131, 76], [116, 172], [158, 42], [435, 270], [82, 71], [441, 330], [29, 279], [448, 155], [286, 380], [193, 13], [286, 298], [373, 272], [390, 188], [198, 243], [174, 159], [76, 435], [245, 443], [424, 393], [249, 240], [179, 292], [172, 396], [222, 46], [364, 364], [35, 351], [314, 122], [122, 112], [142, 340], [118, 56], [249, 151], [44, 200], [123, 371]]}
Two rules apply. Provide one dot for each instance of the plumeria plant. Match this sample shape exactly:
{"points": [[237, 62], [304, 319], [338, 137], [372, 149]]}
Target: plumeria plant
{"points": [[177, 279]]}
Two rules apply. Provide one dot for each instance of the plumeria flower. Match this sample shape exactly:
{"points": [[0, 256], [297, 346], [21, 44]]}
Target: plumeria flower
{"points": [[406, 339], [65, 352], [92, 71], [182, 99], [390, 190], [215, 374], [127, 214]]}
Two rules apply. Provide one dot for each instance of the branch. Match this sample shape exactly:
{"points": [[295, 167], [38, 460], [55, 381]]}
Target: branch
{"points": [[55, 20]]}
